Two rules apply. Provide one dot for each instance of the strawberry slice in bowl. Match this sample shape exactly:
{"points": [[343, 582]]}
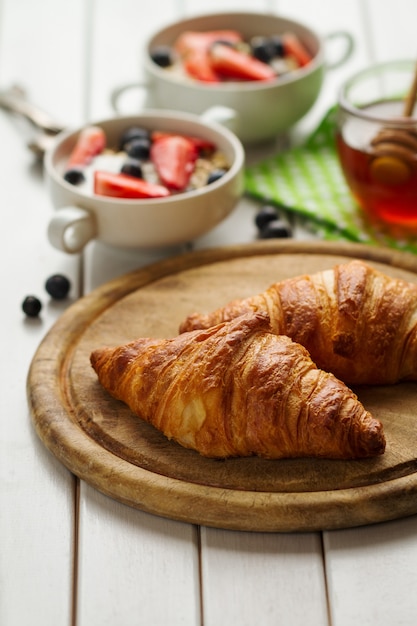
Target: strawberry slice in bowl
{"points": [[174, 158], [295, 48], [125, 186], [231, 63], [194, 50], [90, 142], [190, 41], [201, 144]]}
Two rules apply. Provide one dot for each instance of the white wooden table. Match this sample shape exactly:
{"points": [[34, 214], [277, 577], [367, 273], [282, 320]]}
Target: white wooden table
{"points": [[69, 555]]}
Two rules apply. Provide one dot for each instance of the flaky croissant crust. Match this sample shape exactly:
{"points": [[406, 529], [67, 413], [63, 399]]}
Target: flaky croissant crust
{"points": [[355, 321], [236, 389]]}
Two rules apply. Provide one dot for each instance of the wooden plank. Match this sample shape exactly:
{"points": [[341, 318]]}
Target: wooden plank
{"points": [[391, 32], [275, 579], [43, 46], [36, 501], [135, 568], [200, 7], [117, 49], [372, 574]]}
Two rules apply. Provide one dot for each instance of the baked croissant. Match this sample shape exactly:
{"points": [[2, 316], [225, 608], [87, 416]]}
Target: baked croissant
{"points": [[355, 321], [236, 389]]}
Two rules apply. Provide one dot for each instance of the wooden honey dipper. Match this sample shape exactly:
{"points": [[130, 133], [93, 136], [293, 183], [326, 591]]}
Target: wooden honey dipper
{"points": [[395, 149]]}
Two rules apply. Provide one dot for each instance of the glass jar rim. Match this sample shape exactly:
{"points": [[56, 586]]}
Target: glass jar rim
{"points": [[345, 105]]}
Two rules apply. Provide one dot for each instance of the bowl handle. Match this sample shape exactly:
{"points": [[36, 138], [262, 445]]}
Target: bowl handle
{"points": [[71, 228], [119, 91], [349, 45], [226, 116]]}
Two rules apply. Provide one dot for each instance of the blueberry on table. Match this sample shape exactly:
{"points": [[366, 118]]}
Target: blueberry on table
{"points": [[58, 286], [74, 176], [266, 214], [162, 56], [133, 132], [215, 175], [31, 306], [132, 167], [276, 229]]}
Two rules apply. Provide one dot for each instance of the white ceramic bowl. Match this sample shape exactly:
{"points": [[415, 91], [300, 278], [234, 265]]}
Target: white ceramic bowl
{"points": [[263, 109], [145, 223]]}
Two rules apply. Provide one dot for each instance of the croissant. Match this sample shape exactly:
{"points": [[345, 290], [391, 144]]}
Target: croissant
{"points": [[237, 389], [355, 321]]}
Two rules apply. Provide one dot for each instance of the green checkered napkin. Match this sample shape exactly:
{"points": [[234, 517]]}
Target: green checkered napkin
{"points": [[308, 181]]}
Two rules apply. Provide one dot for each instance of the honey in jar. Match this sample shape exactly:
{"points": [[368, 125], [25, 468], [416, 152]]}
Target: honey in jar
{"points": [[379, 162]]}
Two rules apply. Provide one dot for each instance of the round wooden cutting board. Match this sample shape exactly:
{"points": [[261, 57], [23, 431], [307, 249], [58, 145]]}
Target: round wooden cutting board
{"points": [[102, 442]]}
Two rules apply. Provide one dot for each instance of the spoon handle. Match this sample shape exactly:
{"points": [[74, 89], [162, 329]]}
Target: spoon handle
{"points": [[14, 101], [411, 97]]}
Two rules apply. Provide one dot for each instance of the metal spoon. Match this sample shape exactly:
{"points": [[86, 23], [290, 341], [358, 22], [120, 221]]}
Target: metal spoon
{"points": [[15, 101]]}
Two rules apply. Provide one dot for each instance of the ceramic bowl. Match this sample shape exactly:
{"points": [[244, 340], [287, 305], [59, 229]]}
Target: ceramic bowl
{"points": [[81, 217], [263, 109]]}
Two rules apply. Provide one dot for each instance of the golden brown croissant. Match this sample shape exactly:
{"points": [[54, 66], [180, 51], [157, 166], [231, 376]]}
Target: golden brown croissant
{"points": [[355, 321], [236, 389]]}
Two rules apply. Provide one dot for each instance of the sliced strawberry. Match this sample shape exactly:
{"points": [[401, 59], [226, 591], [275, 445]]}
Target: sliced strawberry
{"points": [[91, 141], [124, 186], [197, 65], [231, 63], [174, 159], [293, 47], [200, 143], [193, 47], [190, 40]]}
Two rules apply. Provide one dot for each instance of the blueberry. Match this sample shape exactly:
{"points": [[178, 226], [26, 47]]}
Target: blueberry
{"points": [[74, 176], [276, 42], [58, 286], [265, 214], [263, 49], [138, 148], [162, 56], [133, 132], [215, 175], [132, 167], [31, 306], [276, 229]]}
